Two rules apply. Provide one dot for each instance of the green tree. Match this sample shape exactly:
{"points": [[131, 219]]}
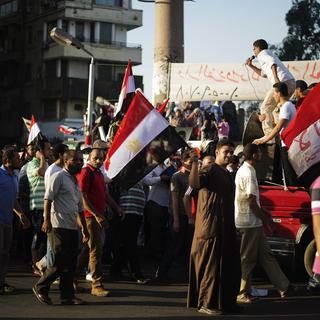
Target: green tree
{"points": [[303, 39]]}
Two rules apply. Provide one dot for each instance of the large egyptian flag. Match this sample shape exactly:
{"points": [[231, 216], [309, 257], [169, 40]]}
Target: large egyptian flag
{"points": [[34, 133], [144, 140], [302, 138], [127, 91]]}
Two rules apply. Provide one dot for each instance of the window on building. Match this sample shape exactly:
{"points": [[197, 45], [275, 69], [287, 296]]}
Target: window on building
{"points": [[110, 3], [28, 72], [64, 25], [51, 69], [92, 32], [50, 110], [80, 31], [105, 32], [50, 26], [30, 35], [8, 8], [105, 72]]}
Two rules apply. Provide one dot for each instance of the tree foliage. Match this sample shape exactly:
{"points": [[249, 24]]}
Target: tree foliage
{"points": [[303, 39]]}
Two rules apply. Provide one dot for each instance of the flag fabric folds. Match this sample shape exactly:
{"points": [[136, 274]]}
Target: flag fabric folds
{"points": [[34, 131], [162, 107], [143, 140], [27, 123], [70, 130], [127, 91], [302, 138]]}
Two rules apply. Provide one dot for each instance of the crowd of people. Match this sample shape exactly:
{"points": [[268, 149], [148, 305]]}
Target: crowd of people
{"points": [[207, 123], [193, 205]]}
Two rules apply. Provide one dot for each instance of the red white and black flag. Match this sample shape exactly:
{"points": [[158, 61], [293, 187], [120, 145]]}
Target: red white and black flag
{"points": [[143, 140], [127, 91], [302, 138], [34, 133]]}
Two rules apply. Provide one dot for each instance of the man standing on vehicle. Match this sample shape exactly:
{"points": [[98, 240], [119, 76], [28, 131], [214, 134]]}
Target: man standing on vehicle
{"points": [[250, 218], [273, 69]]}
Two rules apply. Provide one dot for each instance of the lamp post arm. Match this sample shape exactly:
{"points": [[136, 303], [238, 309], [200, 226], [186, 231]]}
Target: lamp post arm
{"points": [[90, 100]]}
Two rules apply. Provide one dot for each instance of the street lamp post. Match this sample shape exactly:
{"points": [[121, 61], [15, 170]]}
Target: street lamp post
{"points": [[65, 39]]}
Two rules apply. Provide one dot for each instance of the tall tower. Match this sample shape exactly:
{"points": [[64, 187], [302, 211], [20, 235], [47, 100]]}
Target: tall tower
{"points": [[168, 44]]}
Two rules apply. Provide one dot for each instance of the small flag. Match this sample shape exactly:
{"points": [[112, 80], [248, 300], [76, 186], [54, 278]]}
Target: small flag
{"points": [[34, 131], [70, 130], [143, 140], [127, 91]]}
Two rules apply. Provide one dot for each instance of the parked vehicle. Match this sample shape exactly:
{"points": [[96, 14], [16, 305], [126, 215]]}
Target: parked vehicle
{"points": [[293, 235]]}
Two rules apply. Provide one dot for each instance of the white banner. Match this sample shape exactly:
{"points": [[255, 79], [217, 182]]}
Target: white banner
{"points": [[196, 82]]}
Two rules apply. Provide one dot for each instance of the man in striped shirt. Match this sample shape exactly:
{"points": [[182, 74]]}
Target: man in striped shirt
{"points": [[35, 173], [314, 281], [125, 249]]}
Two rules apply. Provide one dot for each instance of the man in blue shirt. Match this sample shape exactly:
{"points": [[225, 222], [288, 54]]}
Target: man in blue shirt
{"points": [[8, 204]]}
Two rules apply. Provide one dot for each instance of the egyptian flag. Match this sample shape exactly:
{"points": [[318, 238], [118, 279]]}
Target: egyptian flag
{"points": [[143, 140], [127, 92], [70, 130], [302, 138], [34, 134]]}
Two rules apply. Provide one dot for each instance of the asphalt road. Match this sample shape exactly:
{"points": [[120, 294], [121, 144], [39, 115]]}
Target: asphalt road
{"points": [[132, 301]]}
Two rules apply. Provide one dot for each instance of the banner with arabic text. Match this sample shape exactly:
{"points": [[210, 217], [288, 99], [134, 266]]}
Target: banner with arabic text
{"points": [[196, 82]]}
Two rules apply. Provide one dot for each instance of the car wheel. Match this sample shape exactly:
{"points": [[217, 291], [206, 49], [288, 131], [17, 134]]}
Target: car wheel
{"points": [[309, 257]]}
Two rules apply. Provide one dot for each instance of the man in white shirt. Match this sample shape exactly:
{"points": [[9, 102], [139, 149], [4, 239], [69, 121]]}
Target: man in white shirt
{"points": [[273, 69], [63, 211], [250, 218], [286, 115], [57, 165]]}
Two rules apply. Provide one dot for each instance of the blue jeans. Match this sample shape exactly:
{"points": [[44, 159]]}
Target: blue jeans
{"points": [[5, 244]]}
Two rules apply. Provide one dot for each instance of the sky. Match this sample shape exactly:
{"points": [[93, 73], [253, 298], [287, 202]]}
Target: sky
{"points": [[215, 31]]}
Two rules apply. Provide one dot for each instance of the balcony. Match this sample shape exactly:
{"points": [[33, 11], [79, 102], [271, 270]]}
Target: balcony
{"points": [[76, 10], [115, 51], [72, 88]]}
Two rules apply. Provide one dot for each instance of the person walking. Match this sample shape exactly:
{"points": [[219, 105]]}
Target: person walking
{"points": [[250, 218], [95, 197], [63, 210], [8, 205]]}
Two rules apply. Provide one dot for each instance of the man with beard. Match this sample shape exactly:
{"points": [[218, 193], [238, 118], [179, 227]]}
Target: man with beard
{"points": [[214, 259], [62, 208]]}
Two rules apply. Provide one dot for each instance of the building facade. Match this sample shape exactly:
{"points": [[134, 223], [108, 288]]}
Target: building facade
{"points": [[50, 81]]}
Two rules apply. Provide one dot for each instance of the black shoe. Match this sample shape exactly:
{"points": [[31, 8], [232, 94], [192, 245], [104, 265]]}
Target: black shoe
{"points": [[42, 298]]}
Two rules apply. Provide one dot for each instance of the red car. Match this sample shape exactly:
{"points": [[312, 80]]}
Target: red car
{"points": [[293, 236]]}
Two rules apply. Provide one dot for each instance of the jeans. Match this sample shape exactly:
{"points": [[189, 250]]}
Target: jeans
{"points": [[64, 244], [5, 244]]}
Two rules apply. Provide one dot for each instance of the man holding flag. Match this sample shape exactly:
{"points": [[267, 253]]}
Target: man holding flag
{"points": [[35, 172]]}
